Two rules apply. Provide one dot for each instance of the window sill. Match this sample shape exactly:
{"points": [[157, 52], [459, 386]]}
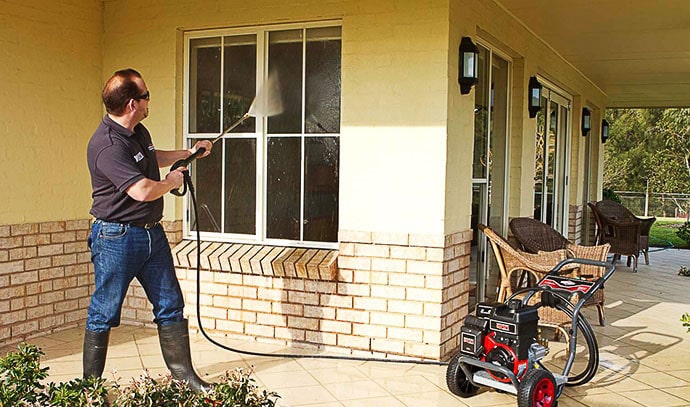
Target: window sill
{"points": [[276, 261]]}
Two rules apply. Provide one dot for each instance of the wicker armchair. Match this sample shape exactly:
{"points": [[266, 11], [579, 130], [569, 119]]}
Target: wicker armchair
{"points": [[535, 237], [627, 234], [511, 260]]}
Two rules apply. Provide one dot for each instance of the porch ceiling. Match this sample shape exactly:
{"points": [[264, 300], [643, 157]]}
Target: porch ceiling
{"points": [[637, 52]]}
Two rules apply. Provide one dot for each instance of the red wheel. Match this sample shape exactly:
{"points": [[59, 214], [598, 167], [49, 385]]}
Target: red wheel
{"points": [[538, 389]]}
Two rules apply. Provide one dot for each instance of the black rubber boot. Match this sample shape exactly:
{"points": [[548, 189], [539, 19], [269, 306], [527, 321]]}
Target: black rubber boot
{"points": [[174, 340], [95, 350]]}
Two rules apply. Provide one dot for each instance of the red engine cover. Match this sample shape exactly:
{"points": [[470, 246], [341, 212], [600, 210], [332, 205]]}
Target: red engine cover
{"points": [[491, 344]]}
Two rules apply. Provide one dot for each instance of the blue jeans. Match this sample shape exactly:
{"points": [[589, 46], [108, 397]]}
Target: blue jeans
{"points": [[121, 253]]}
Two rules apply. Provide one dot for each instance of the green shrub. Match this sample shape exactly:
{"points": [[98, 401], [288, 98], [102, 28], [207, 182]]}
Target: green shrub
{"points": [[683, 232], [20, 383], [685, 319], [235, 389], [611, 195], [21, 376]]}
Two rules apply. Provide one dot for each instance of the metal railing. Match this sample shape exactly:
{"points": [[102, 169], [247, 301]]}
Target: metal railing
{"points": [[666, 205]]}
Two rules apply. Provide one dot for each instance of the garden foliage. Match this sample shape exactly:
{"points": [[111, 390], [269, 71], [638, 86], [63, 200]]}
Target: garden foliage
{"points": [[21, 386]]}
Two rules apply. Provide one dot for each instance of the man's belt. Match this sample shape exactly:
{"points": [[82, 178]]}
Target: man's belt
{"points": [[145, 225]]}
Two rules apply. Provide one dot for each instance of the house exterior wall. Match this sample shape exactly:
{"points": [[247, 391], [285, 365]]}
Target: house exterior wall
{"points": [[405, 175], [393, 142]]}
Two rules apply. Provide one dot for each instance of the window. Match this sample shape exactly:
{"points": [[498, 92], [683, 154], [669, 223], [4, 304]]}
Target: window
{"points": [[271, 179]]}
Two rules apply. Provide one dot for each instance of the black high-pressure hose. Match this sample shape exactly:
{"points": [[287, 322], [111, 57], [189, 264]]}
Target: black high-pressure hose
{"points": [[561, 303], [592, 345], [189, 185], [564, 305]]}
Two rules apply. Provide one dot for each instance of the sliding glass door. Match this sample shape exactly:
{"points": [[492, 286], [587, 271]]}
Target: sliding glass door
{"points": [[551, 177]]}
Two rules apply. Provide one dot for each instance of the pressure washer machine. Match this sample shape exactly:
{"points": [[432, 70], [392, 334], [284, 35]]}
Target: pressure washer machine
{"points": [[501, 348]]}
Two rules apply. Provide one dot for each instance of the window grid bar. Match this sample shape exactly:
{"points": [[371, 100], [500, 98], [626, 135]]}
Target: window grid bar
{"points": [[222, 115], [261, 137], [302, 143]]}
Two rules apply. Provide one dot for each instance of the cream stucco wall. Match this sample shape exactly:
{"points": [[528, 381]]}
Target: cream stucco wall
{"points": [[394, 82], [50, 104]]}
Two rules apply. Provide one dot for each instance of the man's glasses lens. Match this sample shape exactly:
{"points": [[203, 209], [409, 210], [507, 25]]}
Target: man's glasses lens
{"points": [[146, 96]]}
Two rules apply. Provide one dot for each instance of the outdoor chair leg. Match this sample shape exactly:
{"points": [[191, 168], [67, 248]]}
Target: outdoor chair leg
{"points": [[501, 294], [602, 318], [634, 264], [646, 256]]}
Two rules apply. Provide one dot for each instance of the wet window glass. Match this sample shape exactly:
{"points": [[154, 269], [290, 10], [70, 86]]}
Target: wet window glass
{"points": [[275, 177]]}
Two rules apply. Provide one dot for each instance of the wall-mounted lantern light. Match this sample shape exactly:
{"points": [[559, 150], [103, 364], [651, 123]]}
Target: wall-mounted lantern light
{"points": [[604, 131], [469, 61], [534, 97], [586, 121]]}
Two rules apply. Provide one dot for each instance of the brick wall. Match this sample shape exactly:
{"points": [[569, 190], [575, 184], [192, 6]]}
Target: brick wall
{"points": [[575, 224], [392, 294], [45, 278]]}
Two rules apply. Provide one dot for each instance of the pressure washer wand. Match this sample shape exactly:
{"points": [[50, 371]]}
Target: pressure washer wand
{"points": [[185, 162], [200, 151]]}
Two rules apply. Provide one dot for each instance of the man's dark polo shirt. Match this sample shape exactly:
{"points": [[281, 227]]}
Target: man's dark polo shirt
{"points": [[118, 158]]}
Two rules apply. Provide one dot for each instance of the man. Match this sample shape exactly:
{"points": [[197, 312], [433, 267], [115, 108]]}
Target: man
{"points": [[126, 239]]}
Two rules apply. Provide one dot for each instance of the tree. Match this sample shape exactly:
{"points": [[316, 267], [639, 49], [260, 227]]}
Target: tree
{"points": [[630, 147], [672, 163], [648, 148]]}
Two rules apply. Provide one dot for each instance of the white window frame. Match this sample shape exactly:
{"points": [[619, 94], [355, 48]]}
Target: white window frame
{"points": [[260, 135]]}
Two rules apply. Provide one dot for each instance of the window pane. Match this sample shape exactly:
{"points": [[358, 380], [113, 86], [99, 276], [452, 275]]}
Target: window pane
{"points": [[239, 79], [283, 188], [285, 61], [322, 98], [204, 85], [240, 186], [540, 152], [207, 181], [321, 189]]}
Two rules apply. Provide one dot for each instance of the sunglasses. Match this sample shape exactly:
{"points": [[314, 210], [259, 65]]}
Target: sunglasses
{"points": [[146, 96]]}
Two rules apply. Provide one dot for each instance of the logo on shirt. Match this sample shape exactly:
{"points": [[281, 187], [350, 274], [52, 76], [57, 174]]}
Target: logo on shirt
{"points": [[150, 147], [139, 157]]}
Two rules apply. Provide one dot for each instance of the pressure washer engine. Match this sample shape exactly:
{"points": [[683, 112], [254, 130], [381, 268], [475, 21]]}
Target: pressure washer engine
{"points": [[504, 335], [501, 348]]}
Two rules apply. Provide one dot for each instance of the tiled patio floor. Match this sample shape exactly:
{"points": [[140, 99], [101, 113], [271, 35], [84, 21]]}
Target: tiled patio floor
{"points": [[645, 356]]}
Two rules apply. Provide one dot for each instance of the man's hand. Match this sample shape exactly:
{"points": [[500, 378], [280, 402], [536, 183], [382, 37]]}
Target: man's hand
{"points": [[206, 144], [146, 189], [176, 177]]}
